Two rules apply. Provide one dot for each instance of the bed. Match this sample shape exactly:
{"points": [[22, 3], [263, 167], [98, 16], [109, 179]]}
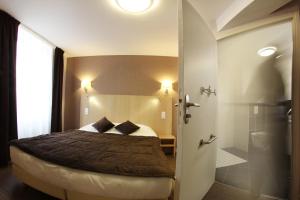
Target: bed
{"points": [[74, 184], [69, 183]]}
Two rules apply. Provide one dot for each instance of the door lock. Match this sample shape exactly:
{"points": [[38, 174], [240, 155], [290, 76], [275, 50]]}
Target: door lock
{"points": [[188, 116], [186, 105]]}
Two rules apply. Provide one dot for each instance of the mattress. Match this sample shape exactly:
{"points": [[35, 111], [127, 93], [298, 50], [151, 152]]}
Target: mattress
{"points": [[105, 185]]}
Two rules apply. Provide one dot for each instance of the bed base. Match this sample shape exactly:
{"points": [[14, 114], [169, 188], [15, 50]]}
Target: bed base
{"points": [[56, 191]]}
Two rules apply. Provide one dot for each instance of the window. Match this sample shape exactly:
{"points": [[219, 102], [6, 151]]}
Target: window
{"points": [[34, 84]]}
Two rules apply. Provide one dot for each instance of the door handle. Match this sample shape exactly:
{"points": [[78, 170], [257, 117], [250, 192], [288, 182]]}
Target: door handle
{"points": [[211, 139], [186, 105], [189, 104]]}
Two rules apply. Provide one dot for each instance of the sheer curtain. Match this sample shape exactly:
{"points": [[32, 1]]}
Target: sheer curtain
{"points": [[34, 84]]}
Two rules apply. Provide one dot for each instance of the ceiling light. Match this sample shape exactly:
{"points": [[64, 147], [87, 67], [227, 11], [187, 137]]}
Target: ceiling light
{"points": [[135, 6], [267, 51]]}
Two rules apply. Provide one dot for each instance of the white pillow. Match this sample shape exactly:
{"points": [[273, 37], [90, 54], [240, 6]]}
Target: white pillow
{"points": [[142, 131]]}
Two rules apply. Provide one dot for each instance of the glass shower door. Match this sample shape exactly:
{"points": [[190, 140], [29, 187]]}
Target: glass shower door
{"points": [[254, 106]]}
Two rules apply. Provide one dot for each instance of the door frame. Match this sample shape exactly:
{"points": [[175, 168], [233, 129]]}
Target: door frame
{"points": [[179, 108], [294, 18]]}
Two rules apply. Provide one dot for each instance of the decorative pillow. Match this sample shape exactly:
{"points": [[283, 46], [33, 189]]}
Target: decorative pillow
{"points": [[127, 127], [103, 125]]}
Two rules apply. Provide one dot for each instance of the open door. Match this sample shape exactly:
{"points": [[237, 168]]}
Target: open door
{"points": [[196, 151]]}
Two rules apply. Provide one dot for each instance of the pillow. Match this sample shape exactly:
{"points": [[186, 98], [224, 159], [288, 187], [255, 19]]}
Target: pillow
{"points": [[127, 127], [103, 125]]}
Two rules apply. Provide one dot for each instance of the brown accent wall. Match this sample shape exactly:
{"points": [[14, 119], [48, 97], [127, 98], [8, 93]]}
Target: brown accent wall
{"points": [[123, 75]]}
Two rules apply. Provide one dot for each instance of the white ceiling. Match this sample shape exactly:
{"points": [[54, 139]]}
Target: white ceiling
{"points": [[211, 10], [255, 10], [97, 27], [224, 14]]}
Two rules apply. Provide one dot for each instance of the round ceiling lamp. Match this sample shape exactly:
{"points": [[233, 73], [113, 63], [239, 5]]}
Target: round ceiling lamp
{"points": [[135, 6], [267, 51]]}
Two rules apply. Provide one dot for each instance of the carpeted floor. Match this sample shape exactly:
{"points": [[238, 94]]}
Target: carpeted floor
{"points": [[13, 189]]}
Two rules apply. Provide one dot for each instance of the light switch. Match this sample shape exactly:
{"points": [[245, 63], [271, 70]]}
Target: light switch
{"points": [[255, 110], [86, 111], [163, 115]]}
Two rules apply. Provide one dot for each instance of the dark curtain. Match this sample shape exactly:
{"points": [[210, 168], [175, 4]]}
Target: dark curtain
{"points": [[8, 105], [58, 72]]}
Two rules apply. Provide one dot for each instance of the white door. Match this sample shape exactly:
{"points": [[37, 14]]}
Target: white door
{"points": [[196, 163]]}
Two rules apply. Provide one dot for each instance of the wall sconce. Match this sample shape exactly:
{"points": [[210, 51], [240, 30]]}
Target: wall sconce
{"points": [[166, 85], [85, 85]]}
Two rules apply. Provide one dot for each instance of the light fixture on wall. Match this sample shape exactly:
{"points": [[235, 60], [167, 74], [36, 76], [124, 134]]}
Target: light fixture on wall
{"points": [[166, 85], [85, 85], [135, 6], [267, 51]]}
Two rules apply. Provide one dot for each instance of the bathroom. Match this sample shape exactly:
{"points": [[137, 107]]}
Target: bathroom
{"points": [[254, 111]]}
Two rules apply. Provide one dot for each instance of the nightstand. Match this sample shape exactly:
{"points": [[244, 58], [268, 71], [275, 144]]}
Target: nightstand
{"points": [[168, 144]]}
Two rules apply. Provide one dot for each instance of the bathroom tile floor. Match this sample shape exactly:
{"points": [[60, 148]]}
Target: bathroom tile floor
{"points": [[239, 176]]}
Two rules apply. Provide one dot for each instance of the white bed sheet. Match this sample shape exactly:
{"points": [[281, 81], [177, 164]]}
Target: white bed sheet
{"points": [[104, 185], [142, 131]]}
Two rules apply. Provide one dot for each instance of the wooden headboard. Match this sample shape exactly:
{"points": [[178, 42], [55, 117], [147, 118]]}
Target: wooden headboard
{"points": [[138, 109]]}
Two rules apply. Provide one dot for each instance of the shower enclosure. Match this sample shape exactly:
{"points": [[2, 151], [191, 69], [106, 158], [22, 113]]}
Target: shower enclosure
{"points": [[254, 111]]}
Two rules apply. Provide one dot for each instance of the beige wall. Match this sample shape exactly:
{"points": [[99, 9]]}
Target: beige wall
{"points": [[120, 75]]}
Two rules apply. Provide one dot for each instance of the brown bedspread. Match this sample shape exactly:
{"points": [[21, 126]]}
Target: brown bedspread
{"points": [[104, 153]]}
